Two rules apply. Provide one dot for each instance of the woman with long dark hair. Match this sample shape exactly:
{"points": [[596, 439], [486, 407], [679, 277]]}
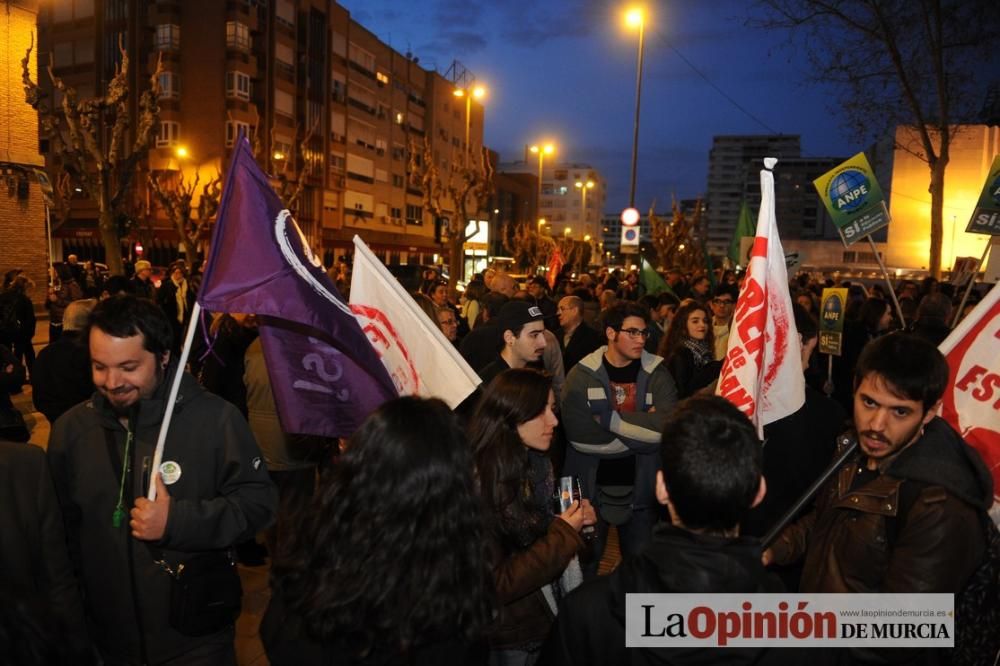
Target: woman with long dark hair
{"points": [[388, 564], [532, 549], [689, 349]]}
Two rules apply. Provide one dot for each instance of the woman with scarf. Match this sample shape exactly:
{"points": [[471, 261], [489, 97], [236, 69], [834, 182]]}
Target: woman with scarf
{"points": [[533, 551], [688, 348]]}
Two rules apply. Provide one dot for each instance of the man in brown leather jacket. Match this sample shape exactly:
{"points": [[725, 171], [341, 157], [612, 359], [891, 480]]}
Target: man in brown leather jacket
{"points": [[901, 515]]}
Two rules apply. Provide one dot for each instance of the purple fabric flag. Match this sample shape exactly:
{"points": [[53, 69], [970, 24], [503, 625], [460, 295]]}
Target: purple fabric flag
{"points": [[325, 374]]}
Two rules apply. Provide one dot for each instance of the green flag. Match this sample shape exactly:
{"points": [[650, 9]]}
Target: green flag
{"points": [[652, 283], [745, 227]]}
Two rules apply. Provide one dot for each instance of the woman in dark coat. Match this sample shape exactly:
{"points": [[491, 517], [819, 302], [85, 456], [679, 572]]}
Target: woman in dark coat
{"points": [[688, 348], [388, 565], [532, 549]]}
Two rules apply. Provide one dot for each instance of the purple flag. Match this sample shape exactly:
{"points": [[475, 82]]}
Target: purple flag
{"points": [[325, 374]]}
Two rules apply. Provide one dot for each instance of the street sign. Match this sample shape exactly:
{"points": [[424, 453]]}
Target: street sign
{"points": [[853, 198], [630, 240], [630, 217], [986, 216], [831, 323], [45, 186]]}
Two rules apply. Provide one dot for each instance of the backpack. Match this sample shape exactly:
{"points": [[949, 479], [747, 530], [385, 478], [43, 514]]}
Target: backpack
{"points": [[977, 605]]}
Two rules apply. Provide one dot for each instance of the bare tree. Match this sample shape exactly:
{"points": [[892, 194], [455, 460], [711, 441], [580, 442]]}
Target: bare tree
{"points": [[455, 198], [88, 139], [526, 245], [174, 194], [677, 240], [915, 63]]}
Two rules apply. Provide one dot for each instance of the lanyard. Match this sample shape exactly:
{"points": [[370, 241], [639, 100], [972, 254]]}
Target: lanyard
{"points": [[119, 513]]}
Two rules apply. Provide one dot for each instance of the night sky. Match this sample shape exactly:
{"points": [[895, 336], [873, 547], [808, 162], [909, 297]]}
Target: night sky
{"points": [[565, 70]]}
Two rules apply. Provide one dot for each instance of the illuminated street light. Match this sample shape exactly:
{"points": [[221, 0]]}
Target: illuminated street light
{"points": [[181, 151], [635, 18], [583, 187], [478, 92], [542, 151]]}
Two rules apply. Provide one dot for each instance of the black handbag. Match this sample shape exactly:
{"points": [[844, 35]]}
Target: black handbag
{"points": [[205, 594]]}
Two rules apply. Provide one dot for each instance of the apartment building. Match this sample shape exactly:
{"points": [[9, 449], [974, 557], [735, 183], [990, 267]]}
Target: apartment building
{"points": [[571, 196], [324, 101]]}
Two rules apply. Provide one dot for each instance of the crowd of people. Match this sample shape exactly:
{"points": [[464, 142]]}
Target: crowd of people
{"points": [[438, 536]]}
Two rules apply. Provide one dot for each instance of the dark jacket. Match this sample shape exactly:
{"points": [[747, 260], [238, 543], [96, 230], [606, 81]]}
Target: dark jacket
{"points": [[847, 540], [223, 496], [590, 629], [582, 342], [525, 615], [143, 288], [287, 643], [61, 376], [688, 375], [35, 570], [480, 347]]}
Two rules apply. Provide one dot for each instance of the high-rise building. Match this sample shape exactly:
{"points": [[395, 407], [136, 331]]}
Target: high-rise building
{"points": [[729, 169], [572, 196], [324, 101]]}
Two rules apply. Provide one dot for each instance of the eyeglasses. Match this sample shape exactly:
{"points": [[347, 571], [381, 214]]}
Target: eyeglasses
{"points": [[723, 301], [635, 332]]}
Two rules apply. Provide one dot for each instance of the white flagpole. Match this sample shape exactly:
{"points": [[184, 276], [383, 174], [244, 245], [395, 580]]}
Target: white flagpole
{"points": [[171, 400]]}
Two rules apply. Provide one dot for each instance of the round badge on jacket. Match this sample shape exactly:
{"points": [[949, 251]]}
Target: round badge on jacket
{"points": [[170, 472]]}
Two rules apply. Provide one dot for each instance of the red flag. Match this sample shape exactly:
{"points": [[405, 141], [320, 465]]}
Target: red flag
{"points": [[972, 400], [555, 267], [762, 371]]}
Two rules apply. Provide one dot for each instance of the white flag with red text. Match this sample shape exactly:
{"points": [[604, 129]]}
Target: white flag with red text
{"points": [[971, 401], [419, 358], [762, 370]]}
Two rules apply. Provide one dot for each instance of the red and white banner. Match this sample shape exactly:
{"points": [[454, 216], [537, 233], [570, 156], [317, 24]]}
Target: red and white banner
{"points": [[971, 403], [762, 371], [555, 267], [419, 358]]}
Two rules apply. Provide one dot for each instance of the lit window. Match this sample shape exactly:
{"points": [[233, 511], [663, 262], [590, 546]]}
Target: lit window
{"points": [[238, 85], [170, 85], [382, 78], [237, 35], [170, 133], [168, 37]]}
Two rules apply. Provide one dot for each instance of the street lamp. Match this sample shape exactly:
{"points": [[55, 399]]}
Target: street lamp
{"points": [[478, 92], [567, 232], [634, 18], [583, 187], [542, 151]]}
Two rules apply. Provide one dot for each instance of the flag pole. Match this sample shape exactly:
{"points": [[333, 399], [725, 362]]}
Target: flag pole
{"points": [[888, 282], [972, 281], [172, 399]]}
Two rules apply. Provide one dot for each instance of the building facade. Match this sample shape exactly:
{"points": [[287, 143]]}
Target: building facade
{"points": [[22, 209], [571, 196], [325, 103]]}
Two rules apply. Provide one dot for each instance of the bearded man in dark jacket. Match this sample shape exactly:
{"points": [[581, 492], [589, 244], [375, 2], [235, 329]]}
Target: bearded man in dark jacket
{"points": [[710, 478], [213, 490]]}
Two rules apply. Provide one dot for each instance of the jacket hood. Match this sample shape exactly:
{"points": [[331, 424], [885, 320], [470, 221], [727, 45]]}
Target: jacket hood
{"points": [[595, 359], [151, 409], [942, 458]]}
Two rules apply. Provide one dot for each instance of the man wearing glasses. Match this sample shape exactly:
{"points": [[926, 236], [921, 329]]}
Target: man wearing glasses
{"points": [[614, 406], [723, 306]]}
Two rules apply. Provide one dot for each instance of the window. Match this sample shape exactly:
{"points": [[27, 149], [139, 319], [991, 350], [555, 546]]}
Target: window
{"points": [[383, 79], [168, 37], [237, 35], [170, 85], [170, 133], [284, 12], [396, 212], [284, 54], [83, 51], [281, 148], [233, 128], [398, 152], [380, 146], [237, 85], [397, 181], [361, 57], [284, 103], [414, 214]]}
